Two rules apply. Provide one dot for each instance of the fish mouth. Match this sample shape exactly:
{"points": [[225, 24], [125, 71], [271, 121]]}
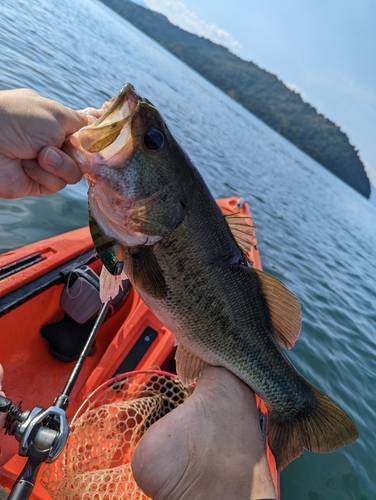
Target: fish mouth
{"points": [[108, 140], [101, 150]]}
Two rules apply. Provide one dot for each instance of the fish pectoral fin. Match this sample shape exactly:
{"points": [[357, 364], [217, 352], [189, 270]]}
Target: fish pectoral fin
{"points": [[146, 272], [94, 139], [284, 309], [110, 285], [242, 231], [322, 428], [188, 366]]}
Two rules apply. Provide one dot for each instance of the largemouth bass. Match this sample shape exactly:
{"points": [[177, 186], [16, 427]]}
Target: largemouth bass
{"points": [[153, 218]]}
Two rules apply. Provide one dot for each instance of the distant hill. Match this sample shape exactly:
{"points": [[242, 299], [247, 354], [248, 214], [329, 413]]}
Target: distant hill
{"points": [[140, 2], [259, 91]]}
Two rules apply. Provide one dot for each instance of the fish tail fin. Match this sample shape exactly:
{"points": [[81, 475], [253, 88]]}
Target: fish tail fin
{"points": [[323, 427]]}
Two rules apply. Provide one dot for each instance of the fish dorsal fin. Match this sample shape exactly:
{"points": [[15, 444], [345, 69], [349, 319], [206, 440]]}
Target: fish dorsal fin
{"points": [[284, 309], [188, 366], [146, 272], [94, 139], [242, 230], [110, 285]]}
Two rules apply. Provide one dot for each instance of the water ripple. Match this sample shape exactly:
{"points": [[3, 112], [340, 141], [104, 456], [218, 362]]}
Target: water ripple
{"points": [[315, 233]]}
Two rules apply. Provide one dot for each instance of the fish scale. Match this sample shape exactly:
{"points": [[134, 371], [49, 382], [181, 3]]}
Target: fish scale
{"points": [[233, 306]]}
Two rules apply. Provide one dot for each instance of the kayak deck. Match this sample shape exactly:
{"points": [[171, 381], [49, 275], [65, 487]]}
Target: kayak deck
{"points": [[31, 284]]}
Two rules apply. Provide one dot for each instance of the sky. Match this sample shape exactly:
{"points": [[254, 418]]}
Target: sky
{"points": [[323, 49]]}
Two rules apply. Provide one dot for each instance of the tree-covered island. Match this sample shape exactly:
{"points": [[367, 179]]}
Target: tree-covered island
{"points": [[259, 91]]}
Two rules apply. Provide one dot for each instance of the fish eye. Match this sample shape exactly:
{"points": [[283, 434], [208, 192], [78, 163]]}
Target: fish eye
{"points": [[154, 139]]}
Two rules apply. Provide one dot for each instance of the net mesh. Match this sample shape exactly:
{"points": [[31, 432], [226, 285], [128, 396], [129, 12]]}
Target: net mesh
{"points": [[96, 462]]}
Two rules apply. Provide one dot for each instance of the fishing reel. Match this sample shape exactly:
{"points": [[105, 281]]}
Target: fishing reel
{"points": [[41, 432]]}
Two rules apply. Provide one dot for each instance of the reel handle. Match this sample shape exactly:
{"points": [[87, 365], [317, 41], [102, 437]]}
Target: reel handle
{"points": [[25, 483]]}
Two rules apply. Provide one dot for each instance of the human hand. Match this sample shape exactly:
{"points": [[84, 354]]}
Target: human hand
{"points": [[3, 416], [208, 447], [33, 129]]}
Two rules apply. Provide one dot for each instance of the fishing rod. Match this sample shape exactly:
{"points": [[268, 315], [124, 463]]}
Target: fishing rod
{"points": [[43, 432]]}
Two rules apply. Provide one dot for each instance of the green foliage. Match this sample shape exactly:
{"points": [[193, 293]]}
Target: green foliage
{"points": [[259, 91]]}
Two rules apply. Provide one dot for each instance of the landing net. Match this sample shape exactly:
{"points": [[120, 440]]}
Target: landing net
{"points": [[96, 462]]}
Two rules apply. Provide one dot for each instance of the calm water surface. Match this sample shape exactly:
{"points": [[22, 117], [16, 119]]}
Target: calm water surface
{"points": [[315, 233]]}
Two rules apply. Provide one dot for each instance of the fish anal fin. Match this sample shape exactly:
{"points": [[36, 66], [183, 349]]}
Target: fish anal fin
{"points": [[284, 309], [323, 428], [146, 272], [242, 231], [188, 366]]}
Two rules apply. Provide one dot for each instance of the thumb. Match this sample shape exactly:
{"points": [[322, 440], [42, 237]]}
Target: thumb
{"points": [[59, 164], [1, 375], [3, 416]]}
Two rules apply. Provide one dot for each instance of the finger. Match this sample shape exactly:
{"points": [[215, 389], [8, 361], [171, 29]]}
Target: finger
{"points": [[2, 415], [44, 182], [59, 164], [107, 105], [91, 114], [72, 121]]}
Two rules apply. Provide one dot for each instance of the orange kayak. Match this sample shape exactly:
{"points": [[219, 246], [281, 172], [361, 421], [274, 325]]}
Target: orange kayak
{"points": [[34, 299]]}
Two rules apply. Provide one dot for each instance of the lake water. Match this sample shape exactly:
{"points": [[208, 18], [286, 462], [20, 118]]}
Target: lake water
{"points": [[315, 233]]}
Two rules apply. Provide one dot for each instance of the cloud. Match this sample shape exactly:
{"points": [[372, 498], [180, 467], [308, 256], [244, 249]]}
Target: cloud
{"points": [[371, 175], [178, 14], [346, 87], [354, 89], [295, 89]]}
